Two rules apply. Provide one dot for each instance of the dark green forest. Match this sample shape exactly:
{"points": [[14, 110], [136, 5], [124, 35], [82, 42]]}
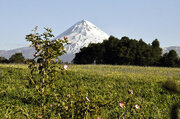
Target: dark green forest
{"points": [[126, 51]]}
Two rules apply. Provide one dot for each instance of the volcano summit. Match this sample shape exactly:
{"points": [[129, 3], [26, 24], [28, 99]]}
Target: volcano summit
{"points": [[80, 35]]}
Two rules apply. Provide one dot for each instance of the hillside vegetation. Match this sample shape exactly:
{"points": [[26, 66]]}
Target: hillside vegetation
{"points": [[94, 91]]}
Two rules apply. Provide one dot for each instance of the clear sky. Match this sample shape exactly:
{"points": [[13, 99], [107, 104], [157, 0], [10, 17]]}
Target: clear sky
{"points": [[146, 19]]}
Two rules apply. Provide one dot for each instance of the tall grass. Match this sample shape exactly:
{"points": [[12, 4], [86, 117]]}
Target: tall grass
{"points": [[93, 91]]}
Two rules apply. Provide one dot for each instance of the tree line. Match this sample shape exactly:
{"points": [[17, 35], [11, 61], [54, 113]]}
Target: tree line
{"points": [[15, 58], [126, 51]]}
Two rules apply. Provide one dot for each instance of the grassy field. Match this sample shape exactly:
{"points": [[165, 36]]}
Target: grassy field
{"points": [[95, 91]]}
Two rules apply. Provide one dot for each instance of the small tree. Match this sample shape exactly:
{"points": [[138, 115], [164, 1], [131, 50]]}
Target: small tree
{"points": [[16, 58], [170, 59], [156, 52], [44, 73]]}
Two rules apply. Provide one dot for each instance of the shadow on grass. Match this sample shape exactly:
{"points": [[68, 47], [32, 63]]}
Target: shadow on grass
{"points": [[172, 87], [174, 111]]}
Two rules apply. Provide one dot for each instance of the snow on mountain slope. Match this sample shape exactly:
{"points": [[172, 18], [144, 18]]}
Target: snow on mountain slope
{"points": [[81, 34]]}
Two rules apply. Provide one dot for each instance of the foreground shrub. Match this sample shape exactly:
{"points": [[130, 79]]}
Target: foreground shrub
{"points": [[44, 73]]}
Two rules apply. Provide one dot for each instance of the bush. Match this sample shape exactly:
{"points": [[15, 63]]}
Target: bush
{"points": [[16, 58]]}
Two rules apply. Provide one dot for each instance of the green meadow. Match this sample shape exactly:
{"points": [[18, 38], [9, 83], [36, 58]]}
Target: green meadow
{"points": [[94, 92]]}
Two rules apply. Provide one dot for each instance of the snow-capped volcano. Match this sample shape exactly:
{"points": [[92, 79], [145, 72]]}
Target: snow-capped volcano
{"points": [[81, 34]]}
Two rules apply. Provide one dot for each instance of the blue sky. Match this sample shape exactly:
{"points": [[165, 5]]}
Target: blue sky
{"points": [[146, 19]]}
